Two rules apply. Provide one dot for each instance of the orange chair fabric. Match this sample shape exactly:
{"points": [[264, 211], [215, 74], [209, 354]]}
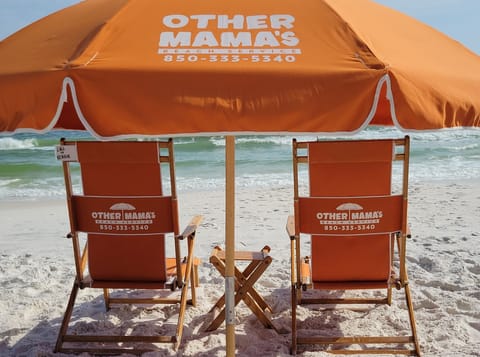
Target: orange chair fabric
{"points": [[128, 242], [353, 245]]}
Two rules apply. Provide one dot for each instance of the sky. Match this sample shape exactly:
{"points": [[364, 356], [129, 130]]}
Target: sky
{"points": [[456, 18]]}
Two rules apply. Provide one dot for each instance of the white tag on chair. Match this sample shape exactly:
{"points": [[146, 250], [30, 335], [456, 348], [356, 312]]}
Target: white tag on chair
{"points": [[66, 152]]}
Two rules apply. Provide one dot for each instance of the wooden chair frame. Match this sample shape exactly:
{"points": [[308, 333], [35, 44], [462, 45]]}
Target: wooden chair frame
{"points": [[301, 278], [244, 281], [184, 272]]}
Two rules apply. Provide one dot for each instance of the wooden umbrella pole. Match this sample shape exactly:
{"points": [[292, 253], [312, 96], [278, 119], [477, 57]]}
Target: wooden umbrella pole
{"points": [[230, 244]]}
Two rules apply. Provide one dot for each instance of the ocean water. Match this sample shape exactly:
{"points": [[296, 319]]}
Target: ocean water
{"points": [[29, 170]]}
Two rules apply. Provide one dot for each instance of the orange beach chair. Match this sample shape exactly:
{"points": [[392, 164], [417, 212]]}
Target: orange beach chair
{"points": [[120, 221], [354, 220]]}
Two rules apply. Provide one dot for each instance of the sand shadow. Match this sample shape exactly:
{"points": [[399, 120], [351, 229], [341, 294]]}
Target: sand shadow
{"points": [[91, 318], [324, 319]]}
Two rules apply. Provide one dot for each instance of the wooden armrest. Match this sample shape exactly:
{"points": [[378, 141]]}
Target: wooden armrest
{"points": [[291, 227], [191, 228]]}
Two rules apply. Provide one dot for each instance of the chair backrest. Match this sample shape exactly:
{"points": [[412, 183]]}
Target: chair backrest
{"points": [[122, 207], [350, 211]]}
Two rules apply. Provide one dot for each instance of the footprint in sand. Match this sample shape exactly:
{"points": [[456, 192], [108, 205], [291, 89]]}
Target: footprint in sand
{"points": [[475, 269], [475, 325]]}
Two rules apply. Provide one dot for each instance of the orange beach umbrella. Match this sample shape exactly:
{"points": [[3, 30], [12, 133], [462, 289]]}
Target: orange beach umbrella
{"points": [[146, 67], [122, 68]]}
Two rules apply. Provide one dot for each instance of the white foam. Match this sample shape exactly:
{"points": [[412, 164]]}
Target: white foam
{"points": [[16, 144]]}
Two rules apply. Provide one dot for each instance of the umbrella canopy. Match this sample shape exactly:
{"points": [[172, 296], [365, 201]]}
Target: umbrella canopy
{"points": [[148, 67]]}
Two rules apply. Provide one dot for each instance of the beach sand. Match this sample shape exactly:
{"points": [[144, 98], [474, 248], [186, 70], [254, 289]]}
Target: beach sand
{"points": [[36, 275]]}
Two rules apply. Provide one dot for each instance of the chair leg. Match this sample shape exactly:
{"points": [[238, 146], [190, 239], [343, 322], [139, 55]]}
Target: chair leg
{"points": [[106, 297], [195, 275], [389, 296], [298, 295], [181, 315], [411, 315], [183, 296], [66, 317], [293, 350], [193, 283]]}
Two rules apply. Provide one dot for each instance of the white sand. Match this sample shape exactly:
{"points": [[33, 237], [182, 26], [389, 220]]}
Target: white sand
{"points": [[36, 274]]}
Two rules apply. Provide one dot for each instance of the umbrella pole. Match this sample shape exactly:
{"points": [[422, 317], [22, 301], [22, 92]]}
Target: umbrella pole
{"points": [[230, 244]]}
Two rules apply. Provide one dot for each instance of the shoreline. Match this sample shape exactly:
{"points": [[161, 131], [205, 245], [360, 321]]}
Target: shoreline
{"points": [[36, 272]]}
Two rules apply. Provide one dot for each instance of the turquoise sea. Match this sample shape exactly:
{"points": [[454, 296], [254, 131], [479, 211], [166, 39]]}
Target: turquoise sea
{"points": [[29, 170]]}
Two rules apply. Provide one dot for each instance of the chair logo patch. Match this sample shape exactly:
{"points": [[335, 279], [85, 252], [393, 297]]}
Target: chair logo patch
{"points": [[349, 217], [123, 217]]}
